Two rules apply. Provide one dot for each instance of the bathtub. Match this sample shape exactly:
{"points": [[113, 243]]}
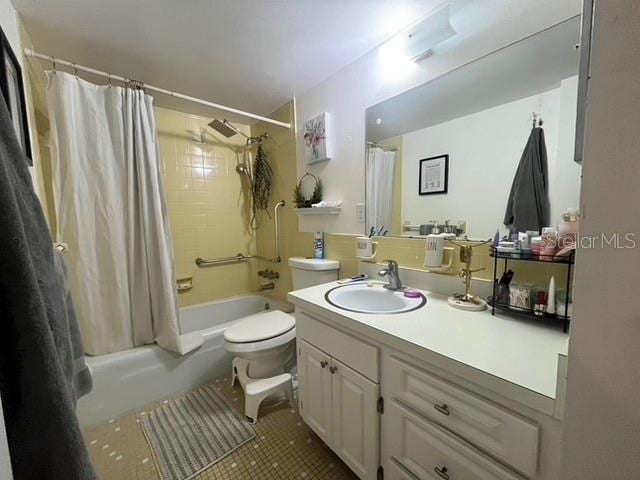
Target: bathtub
{"points": [[127, 380]]}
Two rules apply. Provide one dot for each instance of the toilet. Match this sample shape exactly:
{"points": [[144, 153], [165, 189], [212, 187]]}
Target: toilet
{"points": [[263, 344]]}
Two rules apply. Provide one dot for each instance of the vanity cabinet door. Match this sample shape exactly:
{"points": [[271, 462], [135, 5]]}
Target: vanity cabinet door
{"points": [[356, 422], [315, 389]]}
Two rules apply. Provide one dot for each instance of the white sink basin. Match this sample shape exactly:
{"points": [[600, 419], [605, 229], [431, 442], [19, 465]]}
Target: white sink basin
{"points": [[372, 299]]}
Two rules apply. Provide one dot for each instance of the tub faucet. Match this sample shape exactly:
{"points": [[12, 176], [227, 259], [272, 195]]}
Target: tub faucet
{"points": [[391, 272]]}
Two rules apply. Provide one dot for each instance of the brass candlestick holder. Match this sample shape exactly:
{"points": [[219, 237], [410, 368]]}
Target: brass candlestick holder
{"points": [[467, 301]]}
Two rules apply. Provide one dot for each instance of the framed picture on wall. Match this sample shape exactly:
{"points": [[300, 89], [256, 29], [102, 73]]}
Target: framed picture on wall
{"points": [[12, 88], [434, 175], [317, 139]]}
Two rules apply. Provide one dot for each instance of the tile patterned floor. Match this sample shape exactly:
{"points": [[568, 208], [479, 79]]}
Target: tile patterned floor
{"points": [[284, 448]]}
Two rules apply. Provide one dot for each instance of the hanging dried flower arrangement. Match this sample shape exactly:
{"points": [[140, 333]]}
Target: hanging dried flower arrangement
{"points": [[262, 181]]}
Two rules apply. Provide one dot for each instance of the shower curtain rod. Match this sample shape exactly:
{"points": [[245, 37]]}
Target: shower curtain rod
{"points": [[76, 67], [388, 148]]}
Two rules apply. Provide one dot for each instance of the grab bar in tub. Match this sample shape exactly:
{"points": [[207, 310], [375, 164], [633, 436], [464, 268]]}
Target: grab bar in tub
{"points": [[281, 203], [203, 262], [240, 257]]}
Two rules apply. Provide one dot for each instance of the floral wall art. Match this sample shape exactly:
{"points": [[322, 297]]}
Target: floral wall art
{"points": [[317, 139]]}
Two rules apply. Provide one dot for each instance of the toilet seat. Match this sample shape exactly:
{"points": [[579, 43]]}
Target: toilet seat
{"points": [[259, 327], [262, 331]]}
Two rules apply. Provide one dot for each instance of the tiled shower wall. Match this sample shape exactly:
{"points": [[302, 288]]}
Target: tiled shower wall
{"points": [[206, 206]]}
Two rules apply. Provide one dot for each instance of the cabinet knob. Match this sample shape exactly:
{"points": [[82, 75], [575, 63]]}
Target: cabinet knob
{"points": [[324, 363], [442, 472], [333, 369], [443, 408]]}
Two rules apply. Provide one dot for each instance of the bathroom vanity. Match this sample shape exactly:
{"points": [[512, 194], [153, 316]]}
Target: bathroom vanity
{"points": [[432, 393]]}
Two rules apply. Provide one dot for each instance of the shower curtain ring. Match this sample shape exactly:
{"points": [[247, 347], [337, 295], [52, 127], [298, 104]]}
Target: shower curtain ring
{"points": [[75, 69], [109, 78], [53, 63]]}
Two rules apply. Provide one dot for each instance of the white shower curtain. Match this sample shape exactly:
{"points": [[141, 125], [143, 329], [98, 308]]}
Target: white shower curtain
{"points": [[111, 212], [379, 187]]}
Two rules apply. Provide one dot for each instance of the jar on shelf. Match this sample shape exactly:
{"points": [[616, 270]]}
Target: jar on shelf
{"points": [[549, 244]]}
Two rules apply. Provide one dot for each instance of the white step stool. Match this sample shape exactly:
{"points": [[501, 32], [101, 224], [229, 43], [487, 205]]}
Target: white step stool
{"points": [[256, 390]]}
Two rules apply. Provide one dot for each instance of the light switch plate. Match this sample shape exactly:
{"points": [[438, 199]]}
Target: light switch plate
{"points": [[360, 212]]}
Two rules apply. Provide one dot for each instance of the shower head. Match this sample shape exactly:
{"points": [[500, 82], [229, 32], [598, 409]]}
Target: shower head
{"points": [[225, 128], [245, 172], [242, 169]]}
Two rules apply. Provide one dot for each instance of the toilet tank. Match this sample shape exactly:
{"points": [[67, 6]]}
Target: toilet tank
{"points": [[307, 272]]}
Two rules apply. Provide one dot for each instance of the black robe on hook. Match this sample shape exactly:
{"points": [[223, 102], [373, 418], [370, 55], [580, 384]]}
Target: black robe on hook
{"points": [[528, 205]]}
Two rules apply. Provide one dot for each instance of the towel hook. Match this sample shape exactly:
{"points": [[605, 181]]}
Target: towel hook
{"points": [[536, 120], [540, 110]]}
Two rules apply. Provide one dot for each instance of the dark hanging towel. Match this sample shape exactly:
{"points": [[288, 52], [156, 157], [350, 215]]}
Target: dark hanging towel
{"points": [[528, 204], [39, 349]]}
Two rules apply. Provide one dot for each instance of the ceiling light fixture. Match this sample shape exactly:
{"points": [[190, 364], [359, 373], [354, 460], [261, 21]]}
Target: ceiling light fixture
{"points": [[421, 38], [398, 56]]}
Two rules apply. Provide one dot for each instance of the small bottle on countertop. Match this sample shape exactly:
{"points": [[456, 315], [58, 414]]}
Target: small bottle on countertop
{"points": [[318, 245]]}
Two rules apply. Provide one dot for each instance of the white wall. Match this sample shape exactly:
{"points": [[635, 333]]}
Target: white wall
{"points": [[11, 27], [10, 24], [482, 26], [602, 419], [484, 150]]}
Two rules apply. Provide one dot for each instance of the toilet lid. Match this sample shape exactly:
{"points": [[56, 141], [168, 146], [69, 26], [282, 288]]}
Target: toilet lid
{"points": [[260, 326]]}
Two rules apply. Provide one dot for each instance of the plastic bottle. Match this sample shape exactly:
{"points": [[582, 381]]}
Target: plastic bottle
{"points": [[318, 245]]}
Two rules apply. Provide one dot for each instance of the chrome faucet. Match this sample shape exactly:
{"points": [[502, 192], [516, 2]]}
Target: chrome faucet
{"points": [[391, 272]]}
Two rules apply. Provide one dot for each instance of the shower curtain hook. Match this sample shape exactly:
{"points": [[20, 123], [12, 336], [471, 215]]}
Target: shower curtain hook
{"points": [[53, 63], [75, 69], [109, 79]]}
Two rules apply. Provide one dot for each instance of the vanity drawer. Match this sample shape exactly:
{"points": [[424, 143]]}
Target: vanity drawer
{"points": [[428, 452], [395, 471], [500, 433], [360, 356]]}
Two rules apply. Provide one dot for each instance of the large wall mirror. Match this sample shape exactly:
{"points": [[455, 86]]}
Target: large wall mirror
{"points": [[446, 152]]}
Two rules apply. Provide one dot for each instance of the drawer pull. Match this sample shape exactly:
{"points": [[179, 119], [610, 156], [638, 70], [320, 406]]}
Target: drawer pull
{"points": [[443, 408], [324, 363], [333, 369], [442, 472]]}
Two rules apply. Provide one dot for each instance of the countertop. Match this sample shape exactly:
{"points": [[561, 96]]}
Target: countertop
{"points": [[518, 351]]}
